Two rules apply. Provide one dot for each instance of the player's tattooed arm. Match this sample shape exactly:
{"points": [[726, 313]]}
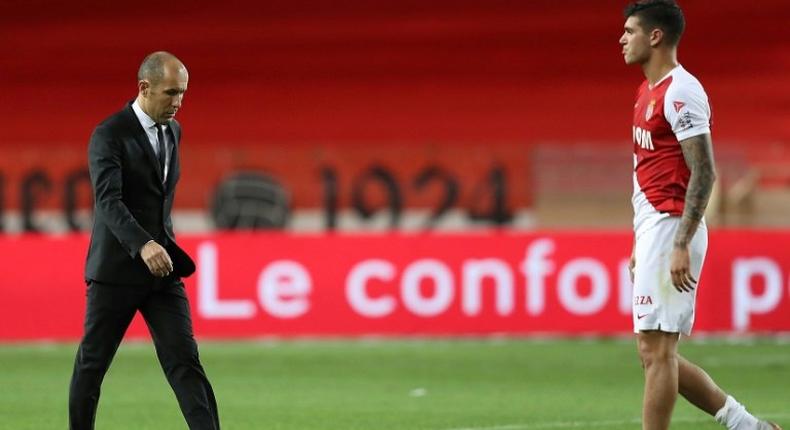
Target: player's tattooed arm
{"points": [[698, 153]]}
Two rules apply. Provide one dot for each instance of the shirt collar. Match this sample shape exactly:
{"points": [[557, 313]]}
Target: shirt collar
{"points": [[678, 67], [143, 117]]}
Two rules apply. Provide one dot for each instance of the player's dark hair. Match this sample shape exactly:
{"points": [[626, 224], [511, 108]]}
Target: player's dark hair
{"points": [[663, 14]]}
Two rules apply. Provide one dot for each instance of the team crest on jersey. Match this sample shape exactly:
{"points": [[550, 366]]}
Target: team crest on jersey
{"points": [[678, 106], [649, 110]]}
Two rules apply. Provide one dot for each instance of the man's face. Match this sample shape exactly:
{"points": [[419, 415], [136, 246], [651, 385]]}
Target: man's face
{"points": [[163, 98], [635, 42]]}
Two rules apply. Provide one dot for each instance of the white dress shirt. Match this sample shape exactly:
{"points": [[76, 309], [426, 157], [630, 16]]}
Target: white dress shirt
{"points": [[149, 125]]}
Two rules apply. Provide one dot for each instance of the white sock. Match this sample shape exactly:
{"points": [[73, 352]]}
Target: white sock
{"points": [[734, 416]]}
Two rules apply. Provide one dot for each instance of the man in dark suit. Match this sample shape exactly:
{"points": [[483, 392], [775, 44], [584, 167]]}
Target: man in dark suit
{"points": [[133, 261]]}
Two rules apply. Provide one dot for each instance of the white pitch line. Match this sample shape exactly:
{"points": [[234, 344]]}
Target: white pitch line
{"points": [[603, 423], [555, 425]]}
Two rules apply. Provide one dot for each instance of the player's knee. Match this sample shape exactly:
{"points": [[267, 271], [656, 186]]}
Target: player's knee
{"points": [[652, 351], [649, 357]]}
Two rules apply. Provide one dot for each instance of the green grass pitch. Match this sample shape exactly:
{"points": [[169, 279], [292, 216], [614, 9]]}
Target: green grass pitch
{"points": [[481, 384]]}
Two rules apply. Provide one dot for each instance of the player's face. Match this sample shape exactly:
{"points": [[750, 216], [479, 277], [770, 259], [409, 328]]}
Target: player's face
{"points": [[635, 42], [162, 99]]}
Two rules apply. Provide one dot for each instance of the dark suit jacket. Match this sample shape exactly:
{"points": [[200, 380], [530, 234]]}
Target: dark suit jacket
{"points": [[132, 205]]}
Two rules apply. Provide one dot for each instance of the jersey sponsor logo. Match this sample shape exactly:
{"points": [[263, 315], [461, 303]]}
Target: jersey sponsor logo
{"points": [[649, 110], [678, 106], [643, 138], [685, 123], [643, 300]]}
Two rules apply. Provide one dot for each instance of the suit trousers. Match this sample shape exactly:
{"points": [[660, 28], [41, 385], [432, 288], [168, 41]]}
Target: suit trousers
{"points": [[110, 309]]}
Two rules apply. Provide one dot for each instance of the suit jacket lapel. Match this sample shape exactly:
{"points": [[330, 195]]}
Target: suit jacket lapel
{"points": [[142, 139]]}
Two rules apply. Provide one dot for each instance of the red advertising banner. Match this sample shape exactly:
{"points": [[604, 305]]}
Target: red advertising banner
{"points": [[252, 285]]}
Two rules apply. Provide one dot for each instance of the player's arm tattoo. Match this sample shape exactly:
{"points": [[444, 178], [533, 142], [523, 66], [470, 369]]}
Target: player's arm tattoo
{"points": [[698, 153]]}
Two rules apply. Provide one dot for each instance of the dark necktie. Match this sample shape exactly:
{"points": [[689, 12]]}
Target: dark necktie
{"points": [[160, 136]]}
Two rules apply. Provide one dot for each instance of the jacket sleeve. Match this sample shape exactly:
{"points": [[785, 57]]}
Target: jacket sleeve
{"points": [[104, 165]]}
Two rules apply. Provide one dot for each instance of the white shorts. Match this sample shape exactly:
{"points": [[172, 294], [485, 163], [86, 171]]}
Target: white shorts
{"points": [[657, 304]]}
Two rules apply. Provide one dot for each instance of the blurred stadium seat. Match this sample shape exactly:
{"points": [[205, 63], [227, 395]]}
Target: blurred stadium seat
{"points": [[299, 89]]}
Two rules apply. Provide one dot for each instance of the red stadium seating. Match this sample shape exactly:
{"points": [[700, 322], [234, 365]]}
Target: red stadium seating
{"points": [[388, 74], [397, 71]]}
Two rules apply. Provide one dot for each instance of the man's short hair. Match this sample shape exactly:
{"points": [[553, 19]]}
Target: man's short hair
{"points": [[153, 67], [663, 14]]}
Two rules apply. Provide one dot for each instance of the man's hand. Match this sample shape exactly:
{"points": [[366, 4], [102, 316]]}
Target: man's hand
{"points": [[680, 269], [156, 258], [632, 264]]}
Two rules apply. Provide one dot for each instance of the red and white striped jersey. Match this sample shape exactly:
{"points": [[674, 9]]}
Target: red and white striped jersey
{"points": [[674, 109]]}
